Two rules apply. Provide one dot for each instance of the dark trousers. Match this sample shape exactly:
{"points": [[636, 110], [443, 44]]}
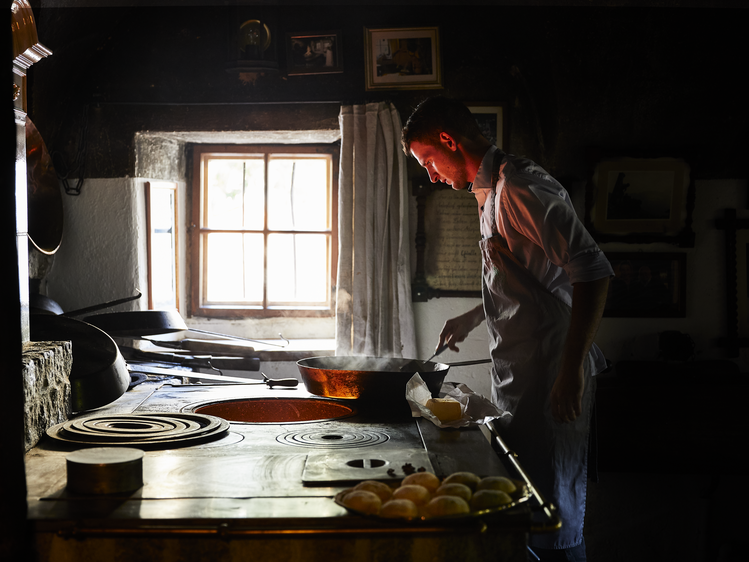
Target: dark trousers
{"points": [[574, 554]]}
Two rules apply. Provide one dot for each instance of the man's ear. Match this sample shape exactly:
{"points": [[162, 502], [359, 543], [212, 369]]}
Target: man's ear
{"points": [[448, 141]]}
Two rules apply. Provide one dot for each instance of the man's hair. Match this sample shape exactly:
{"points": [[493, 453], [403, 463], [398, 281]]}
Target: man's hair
{"points": [[434, 116]]}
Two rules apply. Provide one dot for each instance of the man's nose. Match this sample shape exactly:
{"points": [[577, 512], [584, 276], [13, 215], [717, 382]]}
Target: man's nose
{"points": [[432, 176]]}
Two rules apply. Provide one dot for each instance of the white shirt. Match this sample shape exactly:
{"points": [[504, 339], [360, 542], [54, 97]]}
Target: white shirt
{"points": [[536, 217]]}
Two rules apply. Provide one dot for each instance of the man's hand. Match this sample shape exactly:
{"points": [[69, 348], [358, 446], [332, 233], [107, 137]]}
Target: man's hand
{"points": [[457, 329], [567, 396]]}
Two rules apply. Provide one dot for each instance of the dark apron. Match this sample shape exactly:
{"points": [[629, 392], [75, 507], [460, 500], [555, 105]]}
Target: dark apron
{"points": [[527, 329]]}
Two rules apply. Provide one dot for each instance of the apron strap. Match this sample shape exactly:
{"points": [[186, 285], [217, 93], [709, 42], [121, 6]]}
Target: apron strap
{"points": [[496, 165]]}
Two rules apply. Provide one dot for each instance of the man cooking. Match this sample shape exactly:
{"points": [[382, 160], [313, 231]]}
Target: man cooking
{"points": [[544, 288]]}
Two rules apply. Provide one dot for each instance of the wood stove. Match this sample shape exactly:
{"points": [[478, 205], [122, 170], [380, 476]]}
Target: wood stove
{"points": [[265, 490]]}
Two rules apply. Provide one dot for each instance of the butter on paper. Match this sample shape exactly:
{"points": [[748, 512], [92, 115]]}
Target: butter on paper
{"points": [[476, 409]]}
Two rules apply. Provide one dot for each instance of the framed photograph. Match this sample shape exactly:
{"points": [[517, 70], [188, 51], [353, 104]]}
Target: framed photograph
{"points": [[314, 53], [647, 285], [641, 200], [404, 58], [490, 118]]}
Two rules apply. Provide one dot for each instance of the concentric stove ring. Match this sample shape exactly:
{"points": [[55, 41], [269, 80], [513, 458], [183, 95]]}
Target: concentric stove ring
{"points": [[150, 430], [332, 439]]}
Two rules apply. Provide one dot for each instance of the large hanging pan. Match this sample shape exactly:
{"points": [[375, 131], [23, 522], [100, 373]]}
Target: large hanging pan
{"points": [[43, 193], [138, 323], [99, 375], [370, 378]]}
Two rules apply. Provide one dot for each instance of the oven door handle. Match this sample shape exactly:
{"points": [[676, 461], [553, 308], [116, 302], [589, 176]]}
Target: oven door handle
{"points": [[549, 520]]}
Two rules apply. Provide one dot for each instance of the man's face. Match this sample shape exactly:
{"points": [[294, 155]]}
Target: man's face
{"points": [[443, 163]]}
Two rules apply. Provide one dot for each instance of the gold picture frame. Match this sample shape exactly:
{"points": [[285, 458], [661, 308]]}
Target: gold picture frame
{"points": [[403, 58]]}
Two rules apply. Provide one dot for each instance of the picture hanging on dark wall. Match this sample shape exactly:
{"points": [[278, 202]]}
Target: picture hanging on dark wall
{"points": [[647, 285], [314, 53], [490, 118], [641, 200], [405, 58]]}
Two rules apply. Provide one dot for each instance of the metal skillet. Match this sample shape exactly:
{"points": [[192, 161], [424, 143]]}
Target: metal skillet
{"points": [[371, 378]]}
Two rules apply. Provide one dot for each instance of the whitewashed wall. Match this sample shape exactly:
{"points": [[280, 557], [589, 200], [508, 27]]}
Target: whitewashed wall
{"points": [[102, 255]]}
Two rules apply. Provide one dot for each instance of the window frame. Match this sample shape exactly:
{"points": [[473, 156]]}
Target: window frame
{"points": [[195, 251]]}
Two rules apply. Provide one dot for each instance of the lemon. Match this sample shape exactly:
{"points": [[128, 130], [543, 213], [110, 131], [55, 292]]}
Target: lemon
{"points": [[487, 499], [414, 492], [363, 501], [455, 489], [426, 479], [382, 490], [446, 505], [399, 509], [497, 483], [467, 478]]}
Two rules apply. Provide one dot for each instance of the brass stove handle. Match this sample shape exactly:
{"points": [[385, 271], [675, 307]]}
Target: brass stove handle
{"points": [[552, 520]]}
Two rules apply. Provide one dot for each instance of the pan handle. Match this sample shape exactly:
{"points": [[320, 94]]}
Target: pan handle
{"points": [[466, 363], [94, 308]]}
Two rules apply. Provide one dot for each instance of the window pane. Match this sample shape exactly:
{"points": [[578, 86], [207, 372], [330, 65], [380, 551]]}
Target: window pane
{"points": [[234, 268], [163, 278], [235, 194], [163, 251], [298, 194], [297, 268]]}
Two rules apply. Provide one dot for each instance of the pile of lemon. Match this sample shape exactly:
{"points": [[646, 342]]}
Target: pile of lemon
{"points": [[422, 494]]}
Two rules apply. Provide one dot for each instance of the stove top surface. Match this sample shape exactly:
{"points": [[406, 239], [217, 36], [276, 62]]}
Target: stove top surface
{"points": [[256, 470]]}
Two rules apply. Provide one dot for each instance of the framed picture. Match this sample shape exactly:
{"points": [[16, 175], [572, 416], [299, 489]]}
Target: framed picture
{"points": [[448, 258], [405, 58], [641, 200], [314, 53], [490, 118], [647, 285]]}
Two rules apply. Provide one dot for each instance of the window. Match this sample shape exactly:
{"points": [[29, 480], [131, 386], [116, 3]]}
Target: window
{"points": [[162, 243], [264, 230]]}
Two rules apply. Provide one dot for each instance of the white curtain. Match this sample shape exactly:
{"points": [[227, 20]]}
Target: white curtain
{"points": [[374, 315]]}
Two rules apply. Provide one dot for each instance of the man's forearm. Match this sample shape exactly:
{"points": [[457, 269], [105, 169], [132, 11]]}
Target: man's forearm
{"points": [[588, 301]]}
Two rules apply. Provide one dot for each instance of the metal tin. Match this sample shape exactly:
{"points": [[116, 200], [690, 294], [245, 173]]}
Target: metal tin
{"points": [[105, 470]]}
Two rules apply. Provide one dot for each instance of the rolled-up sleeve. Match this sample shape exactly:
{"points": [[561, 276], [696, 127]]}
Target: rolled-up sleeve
{"points": [[538, 208]]}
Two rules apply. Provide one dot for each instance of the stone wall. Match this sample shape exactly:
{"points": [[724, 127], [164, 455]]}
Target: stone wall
{"points": [[46, 382]]}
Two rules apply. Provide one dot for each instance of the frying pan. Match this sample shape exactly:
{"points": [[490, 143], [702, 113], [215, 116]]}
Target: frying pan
{"points": [[99, 374], [138, 322], [371, 378]]}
